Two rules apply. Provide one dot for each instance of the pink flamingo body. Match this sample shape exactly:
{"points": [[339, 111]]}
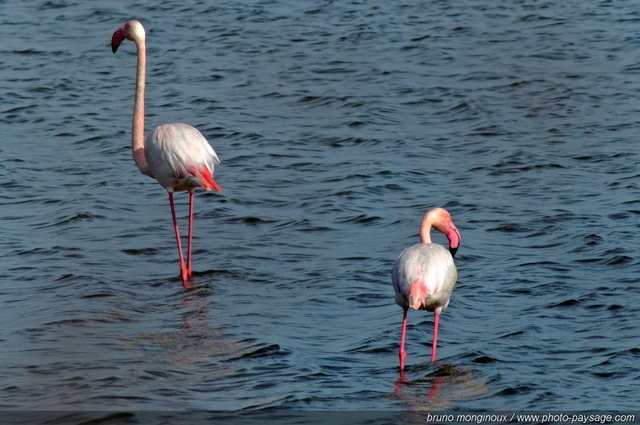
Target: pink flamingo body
{"points": [[424, 274], [177, 155]]}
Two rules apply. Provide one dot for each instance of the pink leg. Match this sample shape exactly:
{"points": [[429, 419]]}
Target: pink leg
{"points": [[190, 233], [436, 317], [183, 269], [402, 353]]}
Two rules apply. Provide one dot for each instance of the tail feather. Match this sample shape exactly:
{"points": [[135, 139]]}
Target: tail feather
{"points": [[205, 179], [418, 293]]}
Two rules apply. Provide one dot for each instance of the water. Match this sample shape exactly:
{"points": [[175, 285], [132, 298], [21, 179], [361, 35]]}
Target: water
{"points": [[339, 124]]}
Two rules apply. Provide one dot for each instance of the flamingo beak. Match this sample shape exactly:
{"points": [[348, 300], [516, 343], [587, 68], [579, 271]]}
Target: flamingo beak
{"points": [[117, 39], [454, 238]]}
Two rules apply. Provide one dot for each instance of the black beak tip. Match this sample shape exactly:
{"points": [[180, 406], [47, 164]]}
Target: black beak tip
{"points": [[453, 251], [114, 47]]}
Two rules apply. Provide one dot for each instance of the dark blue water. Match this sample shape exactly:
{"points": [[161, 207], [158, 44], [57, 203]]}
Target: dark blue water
{"points": [[339, 124]]}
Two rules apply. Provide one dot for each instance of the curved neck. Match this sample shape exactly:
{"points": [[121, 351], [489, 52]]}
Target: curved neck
{"points": [[425, 231], [137, 142]]}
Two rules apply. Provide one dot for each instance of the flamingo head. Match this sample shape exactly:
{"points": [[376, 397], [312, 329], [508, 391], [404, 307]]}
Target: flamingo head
{"points": [[132, 30], [440, 219]]}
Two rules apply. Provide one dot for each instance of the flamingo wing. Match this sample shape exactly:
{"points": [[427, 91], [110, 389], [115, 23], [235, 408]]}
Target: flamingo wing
{"points": [[180, 157]]}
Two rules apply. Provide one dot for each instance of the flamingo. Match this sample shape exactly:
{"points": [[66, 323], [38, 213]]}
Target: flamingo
{"points": [[424, 274], [177, 155]]}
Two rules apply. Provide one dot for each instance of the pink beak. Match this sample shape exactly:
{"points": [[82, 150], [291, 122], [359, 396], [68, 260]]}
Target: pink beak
{"points": [[454, 238]]}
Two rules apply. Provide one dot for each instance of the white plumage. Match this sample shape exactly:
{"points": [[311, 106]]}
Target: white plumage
{"points": [[180, 157], [423, 277]]}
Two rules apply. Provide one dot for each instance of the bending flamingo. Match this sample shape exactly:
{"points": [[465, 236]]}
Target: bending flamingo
{"points": [[424, 275], [177, 155]]}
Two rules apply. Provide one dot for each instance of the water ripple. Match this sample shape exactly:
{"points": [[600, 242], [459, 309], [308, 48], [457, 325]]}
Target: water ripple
{"points": [[338, 126]]}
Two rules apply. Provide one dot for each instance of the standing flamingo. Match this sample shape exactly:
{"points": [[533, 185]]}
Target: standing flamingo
{"points": [[424, 275], [177, 155]]}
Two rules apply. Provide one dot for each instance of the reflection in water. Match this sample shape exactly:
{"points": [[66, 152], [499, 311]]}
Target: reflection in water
{"points": [[201, 338], [439, 389], [197, 340]]}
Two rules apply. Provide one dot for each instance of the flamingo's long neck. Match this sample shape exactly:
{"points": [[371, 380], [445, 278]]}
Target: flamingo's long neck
{"points": [[425, 231], [137, 143]]}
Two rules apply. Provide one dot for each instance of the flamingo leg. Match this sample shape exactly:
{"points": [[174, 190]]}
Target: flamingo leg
{"points": [[183, 269], [190, 233], [402, 353], [436, 318]]}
